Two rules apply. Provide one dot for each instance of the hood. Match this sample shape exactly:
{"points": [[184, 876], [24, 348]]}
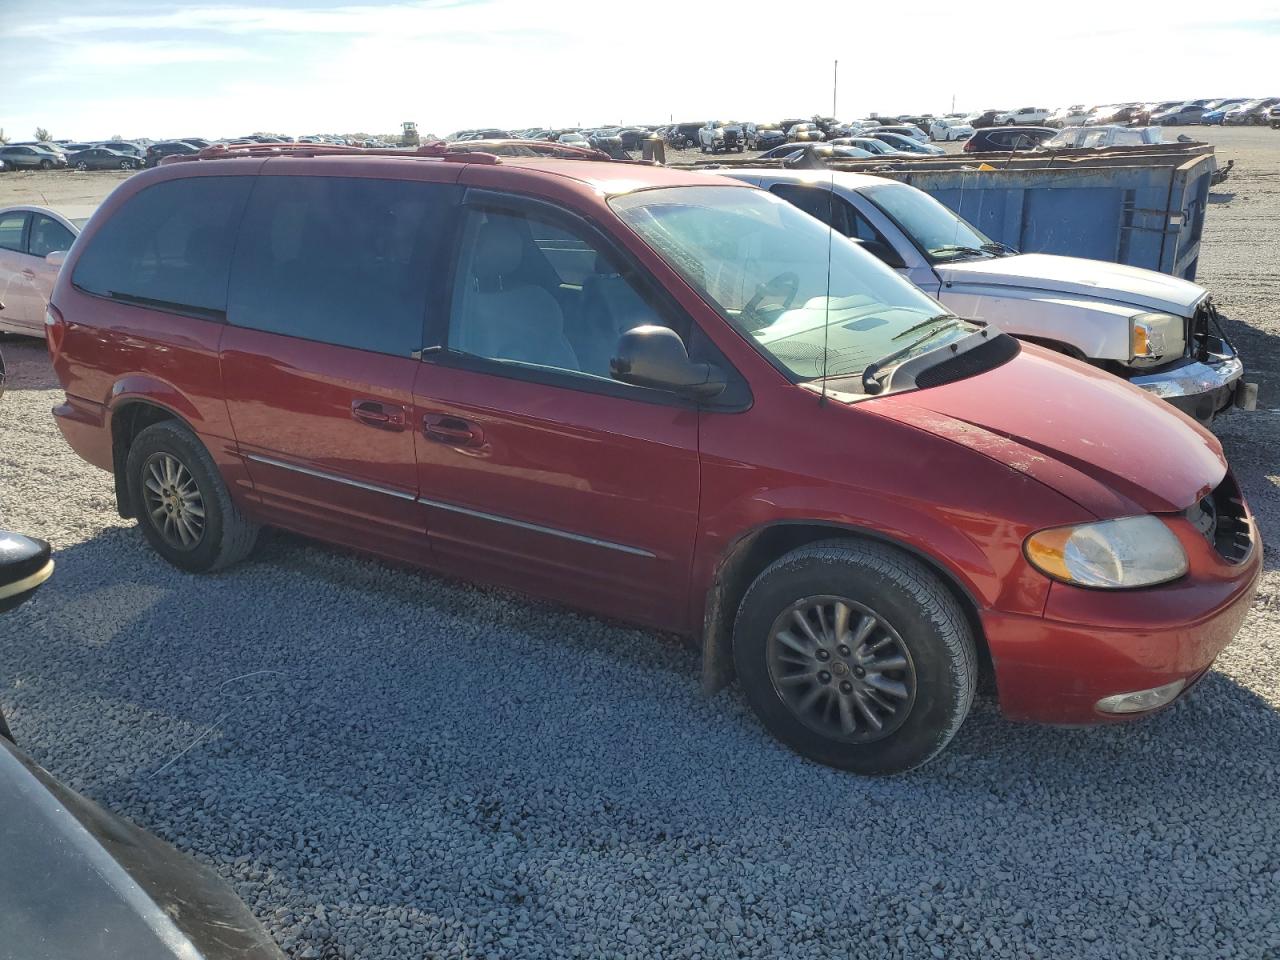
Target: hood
{"points": [[1107, 445], [1078, 276]]}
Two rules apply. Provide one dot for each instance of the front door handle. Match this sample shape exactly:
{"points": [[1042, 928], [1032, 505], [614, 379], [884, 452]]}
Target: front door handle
{"points": [[450, 430], [374, 413]]}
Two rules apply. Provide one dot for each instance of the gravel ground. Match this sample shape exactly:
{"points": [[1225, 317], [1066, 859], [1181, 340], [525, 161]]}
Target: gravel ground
{"points": [[385, 764]]}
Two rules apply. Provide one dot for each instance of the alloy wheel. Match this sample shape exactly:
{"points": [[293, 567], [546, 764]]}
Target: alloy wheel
{"points": [[173, 501], [841, 668]]}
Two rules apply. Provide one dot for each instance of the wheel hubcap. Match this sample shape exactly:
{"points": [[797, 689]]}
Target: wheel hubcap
{"points": [[173, 501], [842, 669]]}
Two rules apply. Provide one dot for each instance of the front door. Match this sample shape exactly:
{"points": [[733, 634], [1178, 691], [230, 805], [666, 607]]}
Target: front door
{"points": [[328, 296], [540, 471]]}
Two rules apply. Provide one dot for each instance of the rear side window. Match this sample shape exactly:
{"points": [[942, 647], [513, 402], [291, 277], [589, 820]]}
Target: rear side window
{"points": [[47, 236], [341, 260], [169, 246]]}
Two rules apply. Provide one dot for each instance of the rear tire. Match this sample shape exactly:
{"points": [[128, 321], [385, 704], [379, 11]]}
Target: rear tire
{"points": [[181, 502], [901, 655]]}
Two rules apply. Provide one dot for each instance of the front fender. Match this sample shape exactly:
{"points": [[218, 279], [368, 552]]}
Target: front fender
{"points": [[1098, 329], [958, 545]]}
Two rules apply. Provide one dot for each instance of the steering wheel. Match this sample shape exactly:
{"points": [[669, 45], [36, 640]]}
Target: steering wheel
{"points": [[785, 285]]}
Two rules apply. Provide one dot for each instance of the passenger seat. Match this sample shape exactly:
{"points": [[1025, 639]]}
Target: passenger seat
{"points": [[503, 317]]}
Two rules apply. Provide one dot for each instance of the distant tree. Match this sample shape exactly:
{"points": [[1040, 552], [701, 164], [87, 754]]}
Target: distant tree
{"points": [[3, 138], [42, 134]]}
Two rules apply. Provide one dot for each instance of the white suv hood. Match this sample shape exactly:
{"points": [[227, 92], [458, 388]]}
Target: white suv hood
{"points": [[1045, 272]]}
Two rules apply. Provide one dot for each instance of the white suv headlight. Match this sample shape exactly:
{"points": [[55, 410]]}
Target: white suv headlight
{"points": [[1111, 554], [1156, 336]]}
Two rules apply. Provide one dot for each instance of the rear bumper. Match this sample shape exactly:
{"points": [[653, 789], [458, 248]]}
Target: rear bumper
{"points": [[84, 426], [1092, 644]]}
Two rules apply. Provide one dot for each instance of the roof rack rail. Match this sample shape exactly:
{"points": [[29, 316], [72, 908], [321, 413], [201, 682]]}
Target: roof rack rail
{"points": [[458, 151]]}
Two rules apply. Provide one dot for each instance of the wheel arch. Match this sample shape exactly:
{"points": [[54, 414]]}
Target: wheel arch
{"points": [[756, 549], [129, 417]]}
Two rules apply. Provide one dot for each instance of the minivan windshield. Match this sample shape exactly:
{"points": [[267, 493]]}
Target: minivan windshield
{"points": [[808, 297], [936, 230]]}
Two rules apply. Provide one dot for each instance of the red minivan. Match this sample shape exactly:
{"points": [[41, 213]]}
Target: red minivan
{"points": [[663, 397]]}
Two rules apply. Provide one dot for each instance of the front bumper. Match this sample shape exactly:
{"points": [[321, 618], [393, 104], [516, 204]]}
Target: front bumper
{"points": [[1200, 388], [1091, 644]]}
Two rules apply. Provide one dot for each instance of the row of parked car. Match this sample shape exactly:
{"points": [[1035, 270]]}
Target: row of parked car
{"points": [[131, 155], [989, 474]]}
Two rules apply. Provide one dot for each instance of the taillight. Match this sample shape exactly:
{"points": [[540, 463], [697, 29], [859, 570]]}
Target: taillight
{"points": [[968, 145], [55, 330]]}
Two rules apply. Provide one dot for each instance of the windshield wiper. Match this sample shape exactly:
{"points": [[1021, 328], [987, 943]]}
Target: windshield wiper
{"points": [[958, 248], [871, 375], [924, 323], [1003, 249]]}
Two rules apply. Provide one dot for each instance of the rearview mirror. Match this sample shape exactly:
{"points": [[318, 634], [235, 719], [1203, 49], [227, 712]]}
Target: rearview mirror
{"points": [[654, 356], [882, 251]]}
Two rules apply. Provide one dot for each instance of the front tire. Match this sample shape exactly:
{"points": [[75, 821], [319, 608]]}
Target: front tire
{"points": [[182, 505], [46, 164], [856, 655]]}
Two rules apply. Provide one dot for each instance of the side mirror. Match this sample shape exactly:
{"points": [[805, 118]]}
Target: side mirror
{"points": [[24, 565], [54, 258], [654, 356], [881, 251]]}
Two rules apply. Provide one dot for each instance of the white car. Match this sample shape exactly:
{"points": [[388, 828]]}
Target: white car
{"points": [[950, 128], [716, 136], [905, 129], [1156, 331], [33, 242], [1071, 116], [1103, 135], [1023, 117]]}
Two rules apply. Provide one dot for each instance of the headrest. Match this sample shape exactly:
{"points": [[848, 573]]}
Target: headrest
{"points": [[499, 249]]}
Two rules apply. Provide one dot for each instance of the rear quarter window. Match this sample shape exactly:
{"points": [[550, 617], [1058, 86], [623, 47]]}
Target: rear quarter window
{"points": [[169, 246]]}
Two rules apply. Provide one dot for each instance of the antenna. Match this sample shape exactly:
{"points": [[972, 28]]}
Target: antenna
{"points": [[831, 220]]}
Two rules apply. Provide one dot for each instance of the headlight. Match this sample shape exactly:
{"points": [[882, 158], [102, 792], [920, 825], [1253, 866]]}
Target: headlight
{"points": [[1156, 336], [1113, 554]]}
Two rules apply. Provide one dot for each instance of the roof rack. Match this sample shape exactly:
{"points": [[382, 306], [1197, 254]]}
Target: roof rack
{"points": [[459, 151]]}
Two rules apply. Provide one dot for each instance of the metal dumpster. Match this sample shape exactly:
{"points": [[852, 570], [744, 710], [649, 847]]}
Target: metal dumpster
{"points": [[1142, 205]]}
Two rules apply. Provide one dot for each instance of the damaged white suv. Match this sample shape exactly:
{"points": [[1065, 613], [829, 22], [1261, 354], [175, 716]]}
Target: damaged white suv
{"points": [[1158, 332]]}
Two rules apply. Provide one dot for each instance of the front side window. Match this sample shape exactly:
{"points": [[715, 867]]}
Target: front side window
{"points": [[48, 236], [340, 260], [935, 229], [807, 297], [169, 246], [532, 291]]}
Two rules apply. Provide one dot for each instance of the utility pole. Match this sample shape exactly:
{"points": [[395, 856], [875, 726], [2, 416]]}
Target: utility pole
{"points": [[953, 103], [835, 86]]}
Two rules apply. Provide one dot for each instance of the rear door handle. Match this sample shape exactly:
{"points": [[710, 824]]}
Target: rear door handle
{"points": [[453, 431], [374, 413]]}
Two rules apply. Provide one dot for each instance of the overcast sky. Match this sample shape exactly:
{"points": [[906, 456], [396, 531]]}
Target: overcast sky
{"points": [[89, 69]]}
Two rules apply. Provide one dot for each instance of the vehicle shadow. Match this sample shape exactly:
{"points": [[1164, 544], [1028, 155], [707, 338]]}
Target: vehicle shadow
{"points": [[310, 693]]}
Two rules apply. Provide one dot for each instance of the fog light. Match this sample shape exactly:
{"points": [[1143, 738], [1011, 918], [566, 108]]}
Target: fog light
{"points": [[1141, 700]]}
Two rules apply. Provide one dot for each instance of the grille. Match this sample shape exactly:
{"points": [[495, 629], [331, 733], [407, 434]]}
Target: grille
{"points": [[994, 353], [1221, 519]]}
